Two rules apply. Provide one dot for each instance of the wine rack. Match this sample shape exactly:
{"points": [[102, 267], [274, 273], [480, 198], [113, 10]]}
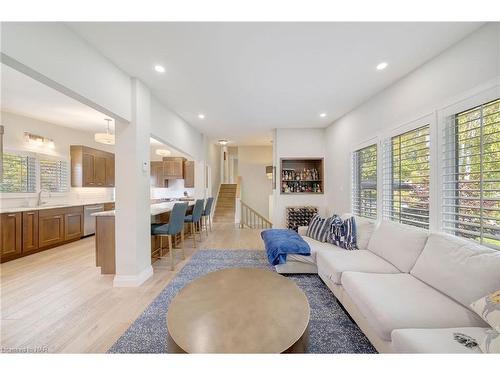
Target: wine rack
{"points": [[301, 176], [299, 216]]}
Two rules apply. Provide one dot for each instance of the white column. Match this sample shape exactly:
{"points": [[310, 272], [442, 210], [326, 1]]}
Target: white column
{"points": [[133, 220]]}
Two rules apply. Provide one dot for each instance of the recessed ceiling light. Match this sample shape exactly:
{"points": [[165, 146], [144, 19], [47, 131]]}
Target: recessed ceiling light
{"points": [[223, 142], [159, 69], [322, 115], [382, 66], [201, 116]]}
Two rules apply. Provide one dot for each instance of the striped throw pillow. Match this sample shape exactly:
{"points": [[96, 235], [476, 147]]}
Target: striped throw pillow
{"points": [[342, 233], [318, 228]]}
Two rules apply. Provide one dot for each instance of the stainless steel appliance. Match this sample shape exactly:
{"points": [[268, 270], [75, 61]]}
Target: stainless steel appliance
{"points": [[88, 219]]}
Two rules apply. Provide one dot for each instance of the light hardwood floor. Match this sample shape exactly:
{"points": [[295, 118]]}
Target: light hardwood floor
{"points": [[57, 300]]}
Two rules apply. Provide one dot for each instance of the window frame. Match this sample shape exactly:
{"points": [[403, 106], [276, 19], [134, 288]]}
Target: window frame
{"points": [[37, 156], [355, 179], [448, 128]]}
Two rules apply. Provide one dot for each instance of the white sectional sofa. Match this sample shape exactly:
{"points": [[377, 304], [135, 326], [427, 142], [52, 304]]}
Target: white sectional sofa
{"points": [[407, 289]]}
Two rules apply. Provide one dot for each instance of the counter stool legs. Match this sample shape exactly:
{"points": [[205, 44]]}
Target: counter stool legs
{"points": [[193, 233], [182, 244]]}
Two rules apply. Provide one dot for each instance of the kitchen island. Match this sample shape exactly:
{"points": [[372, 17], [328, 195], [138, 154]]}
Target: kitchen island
{"points": [[105, 245]]}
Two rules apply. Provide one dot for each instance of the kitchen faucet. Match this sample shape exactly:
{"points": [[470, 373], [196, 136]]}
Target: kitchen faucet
{"points": [[39, 201]]}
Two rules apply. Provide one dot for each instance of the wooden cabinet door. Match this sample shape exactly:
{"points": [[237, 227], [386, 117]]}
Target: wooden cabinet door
{"points": [[100, 170], [73, 226], [157, 175], [110, 171], [173, 168], [189, 174], [30, 231], [88, 169], [50, 229], [11, 236]]}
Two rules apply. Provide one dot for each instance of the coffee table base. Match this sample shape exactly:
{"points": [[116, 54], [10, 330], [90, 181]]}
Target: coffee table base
{"points": [[299, 347]]}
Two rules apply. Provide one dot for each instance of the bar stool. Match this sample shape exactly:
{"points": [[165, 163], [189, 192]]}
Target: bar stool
{"points": [[174, 227], [207, 214], [195, 218]]}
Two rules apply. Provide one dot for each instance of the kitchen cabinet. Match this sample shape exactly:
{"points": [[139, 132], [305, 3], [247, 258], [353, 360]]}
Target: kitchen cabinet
{"points": [[109, 206], [73, 223], [30, 231], [157, 176], [91, 167], [188, 174], [173, 168], [11, 235], [50, 227]]}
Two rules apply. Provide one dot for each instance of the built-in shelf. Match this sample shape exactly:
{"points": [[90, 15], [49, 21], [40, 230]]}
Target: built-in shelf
{"points": [[301, 176]]}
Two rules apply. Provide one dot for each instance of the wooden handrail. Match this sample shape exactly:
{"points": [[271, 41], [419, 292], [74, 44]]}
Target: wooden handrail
{"points": [[251, 218]]}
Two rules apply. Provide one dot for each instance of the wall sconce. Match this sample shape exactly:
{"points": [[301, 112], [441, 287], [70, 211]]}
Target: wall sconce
{"points": [[38, 141]]}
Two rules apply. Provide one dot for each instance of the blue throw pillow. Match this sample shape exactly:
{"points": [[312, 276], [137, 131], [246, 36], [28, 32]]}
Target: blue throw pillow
{"points": [[342, 233], [318, 228]]}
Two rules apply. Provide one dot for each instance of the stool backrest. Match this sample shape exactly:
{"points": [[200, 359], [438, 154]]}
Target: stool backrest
{"points": [[177, 215], [198, 209], [208, 206]]}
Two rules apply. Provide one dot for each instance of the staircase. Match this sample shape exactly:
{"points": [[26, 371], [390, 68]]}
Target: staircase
{"points": [[226, 204]]}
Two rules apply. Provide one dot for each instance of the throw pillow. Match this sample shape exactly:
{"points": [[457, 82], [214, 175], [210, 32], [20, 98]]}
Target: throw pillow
{"points": [[318, 228], [343, 233], [488, 308], [491, 342]]}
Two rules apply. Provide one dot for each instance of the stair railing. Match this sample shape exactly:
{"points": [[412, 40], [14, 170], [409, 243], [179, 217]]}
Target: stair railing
{"points": [[251, 218]]}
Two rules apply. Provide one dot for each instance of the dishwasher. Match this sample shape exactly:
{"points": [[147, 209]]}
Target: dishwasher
{"points": [[89, 220]]}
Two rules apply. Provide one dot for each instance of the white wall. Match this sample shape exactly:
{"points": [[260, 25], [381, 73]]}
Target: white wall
{"points": [[298, 143], [172, 130], [255, 186], [15, 126], [59, 57], [213, 161], [449, 77]]}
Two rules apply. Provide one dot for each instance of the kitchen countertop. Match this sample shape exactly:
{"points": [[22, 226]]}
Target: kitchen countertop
{"points": [[156, 209], [49, 206]]}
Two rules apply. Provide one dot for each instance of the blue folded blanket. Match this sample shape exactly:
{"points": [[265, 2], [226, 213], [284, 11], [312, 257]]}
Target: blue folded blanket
{"points": [[280, 242]]}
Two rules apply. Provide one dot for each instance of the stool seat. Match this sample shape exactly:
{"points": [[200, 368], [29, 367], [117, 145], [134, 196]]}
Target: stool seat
{"points": [[157, 229]]}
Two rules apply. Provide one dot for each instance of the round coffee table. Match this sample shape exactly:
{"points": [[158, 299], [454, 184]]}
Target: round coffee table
{"points": [[239, 310]]}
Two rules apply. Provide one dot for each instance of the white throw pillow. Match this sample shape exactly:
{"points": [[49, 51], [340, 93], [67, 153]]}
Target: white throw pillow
{"points": [[490, 343], [397, 243], [488, 308], [364, 229], [461, 269]]}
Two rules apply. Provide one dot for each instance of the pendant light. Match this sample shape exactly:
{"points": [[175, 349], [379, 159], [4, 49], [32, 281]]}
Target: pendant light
{"points": [[106, 138]]}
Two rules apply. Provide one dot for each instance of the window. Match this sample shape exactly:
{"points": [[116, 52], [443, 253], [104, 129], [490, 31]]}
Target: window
{"points": [[406, 177], [18, 173], [471, 174], [364, 182], [53, 175]]}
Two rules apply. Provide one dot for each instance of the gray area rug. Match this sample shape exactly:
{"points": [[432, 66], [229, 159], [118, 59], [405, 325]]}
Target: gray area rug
{"points": [[330, 328]]}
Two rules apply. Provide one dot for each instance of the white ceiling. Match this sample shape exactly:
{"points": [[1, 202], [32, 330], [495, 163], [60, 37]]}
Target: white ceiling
{"points": [[25, 96], [248, 78]]}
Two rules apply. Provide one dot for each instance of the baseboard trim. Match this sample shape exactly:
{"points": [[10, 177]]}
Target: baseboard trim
{"points": [[128, 281]]}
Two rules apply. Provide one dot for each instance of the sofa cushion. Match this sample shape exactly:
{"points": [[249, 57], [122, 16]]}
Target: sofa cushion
{"points": [[461, 269], [398, 243], [315, 246], [440, 340], [364, 229], [333, 263], [393, 301]]}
